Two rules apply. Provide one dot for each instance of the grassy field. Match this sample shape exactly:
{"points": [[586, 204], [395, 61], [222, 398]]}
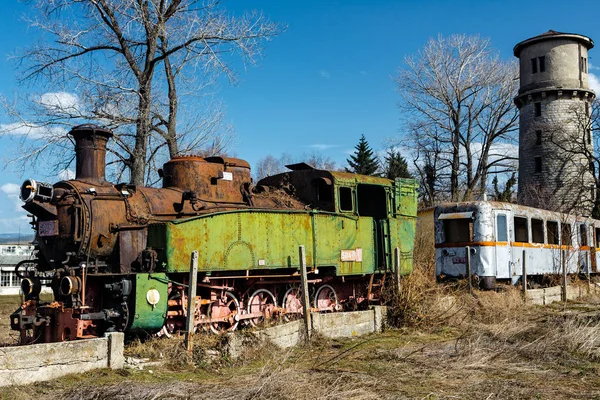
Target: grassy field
{"points": [[486, 346], [8, 304]]}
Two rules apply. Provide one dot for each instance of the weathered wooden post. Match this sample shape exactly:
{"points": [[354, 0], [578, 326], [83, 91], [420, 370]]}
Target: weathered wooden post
{"points": [[564, 277], [468, 248], [305, 300], [397, 266], [524, 278], [191, 304]]}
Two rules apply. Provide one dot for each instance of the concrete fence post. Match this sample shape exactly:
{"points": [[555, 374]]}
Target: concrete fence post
{"points": [[305, 298], [191, 304]]}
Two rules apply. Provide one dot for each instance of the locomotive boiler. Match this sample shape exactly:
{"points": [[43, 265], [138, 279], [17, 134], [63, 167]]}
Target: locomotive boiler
{"points": [[117, 257]]}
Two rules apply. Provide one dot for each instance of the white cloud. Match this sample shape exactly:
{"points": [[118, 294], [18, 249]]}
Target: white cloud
{"points": [[32, 131], [66, 174], [322, 147], [594, 83], [324, 74], [59, 101], [10, 188], [12, 191]]}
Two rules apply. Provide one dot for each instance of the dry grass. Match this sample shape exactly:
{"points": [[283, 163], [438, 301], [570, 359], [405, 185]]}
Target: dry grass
{"points": [[448, 344]]}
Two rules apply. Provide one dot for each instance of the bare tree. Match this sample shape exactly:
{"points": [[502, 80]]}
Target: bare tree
{"points": [[570, 151], [457, 99], [269, 165], [131, 63]]}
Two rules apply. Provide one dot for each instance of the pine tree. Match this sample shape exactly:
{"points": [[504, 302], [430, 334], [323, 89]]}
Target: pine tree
{"points": [[507, 193], [363, 161], [396, 165]]}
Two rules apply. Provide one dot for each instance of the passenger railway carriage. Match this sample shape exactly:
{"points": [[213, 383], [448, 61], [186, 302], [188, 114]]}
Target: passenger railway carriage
{"points": [[501, 237]]}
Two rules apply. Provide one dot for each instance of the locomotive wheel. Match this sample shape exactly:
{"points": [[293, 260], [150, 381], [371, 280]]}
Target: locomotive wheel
{"points": [[292, 303], [227, 306], [326, 299], [262, 301]]}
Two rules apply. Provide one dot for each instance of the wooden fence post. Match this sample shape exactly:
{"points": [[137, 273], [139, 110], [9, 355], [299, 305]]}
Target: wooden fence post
{"points": [[524, 278], [191, 304], [397, 265], [469, 269], [305, 298]]}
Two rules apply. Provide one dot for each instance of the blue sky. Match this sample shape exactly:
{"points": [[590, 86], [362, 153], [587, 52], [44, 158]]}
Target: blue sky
{"points": [[329, 77]]}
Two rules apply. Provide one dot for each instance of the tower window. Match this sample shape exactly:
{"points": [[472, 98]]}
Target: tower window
{"points": [[542, 61], [584, 65], [589, 136], [534, 68], [538, 137], [538, 164], [538, 109]]}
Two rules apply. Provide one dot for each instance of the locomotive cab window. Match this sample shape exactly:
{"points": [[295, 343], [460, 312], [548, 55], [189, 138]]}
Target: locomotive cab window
{"points": [[537, 231], [521, 230], [458, 230], [372, 201], [345, 194], [552, 229], [323, 190]]}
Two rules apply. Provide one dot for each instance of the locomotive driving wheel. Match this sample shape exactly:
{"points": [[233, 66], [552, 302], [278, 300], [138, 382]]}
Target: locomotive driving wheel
{"points": [[326, 299], [262, 301], [227, 308], [292, 303]]}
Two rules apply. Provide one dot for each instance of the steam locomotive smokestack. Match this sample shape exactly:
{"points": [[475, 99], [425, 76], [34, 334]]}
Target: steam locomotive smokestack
{"points": [[90, 151]]}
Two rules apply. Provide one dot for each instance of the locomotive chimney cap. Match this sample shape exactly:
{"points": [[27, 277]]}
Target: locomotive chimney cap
{"points": [[85, 129]]}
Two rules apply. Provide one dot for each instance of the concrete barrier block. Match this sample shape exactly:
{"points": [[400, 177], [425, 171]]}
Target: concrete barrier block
{"points": [[346, 324], [380, 315], [22, 365], [285, 335], [116, 340], [572, 292]]}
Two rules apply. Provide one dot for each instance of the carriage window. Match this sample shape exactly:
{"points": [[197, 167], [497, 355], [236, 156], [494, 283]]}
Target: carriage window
{"points": [[583, 239], [502, 235], [521, 230], [565, 234], [537, 231], [345, 199], [458, 230], [552, 228]]}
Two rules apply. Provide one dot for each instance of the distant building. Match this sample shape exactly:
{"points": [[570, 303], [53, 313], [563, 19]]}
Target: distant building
{"points": [[554, 134], [10, 256]]}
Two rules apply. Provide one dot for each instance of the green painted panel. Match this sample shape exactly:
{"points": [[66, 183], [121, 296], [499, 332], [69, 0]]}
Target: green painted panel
{"points": [[402, 235], [253, 239], [145, 316]]}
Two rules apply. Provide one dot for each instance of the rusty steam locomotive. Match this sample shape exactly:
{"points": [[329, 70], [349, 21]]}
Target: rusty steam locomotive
{"points": [[117, 257]]}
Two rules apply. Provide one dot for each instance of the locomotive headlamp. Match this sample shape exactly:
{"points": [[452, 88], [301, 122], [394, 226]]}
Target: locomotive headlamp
{"points": [[70, 285], [153, 297], [31, 189], [31, 286]]}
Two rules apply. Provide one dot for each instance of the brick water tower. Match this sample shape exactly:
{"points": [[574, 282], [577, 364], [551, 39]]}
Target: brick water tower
{"points": [[554, 101]]}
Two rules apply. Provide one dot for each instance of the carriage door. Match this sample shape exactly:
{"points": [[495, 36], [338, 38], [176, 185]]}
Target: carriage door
{"points": [[502, 244]]}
